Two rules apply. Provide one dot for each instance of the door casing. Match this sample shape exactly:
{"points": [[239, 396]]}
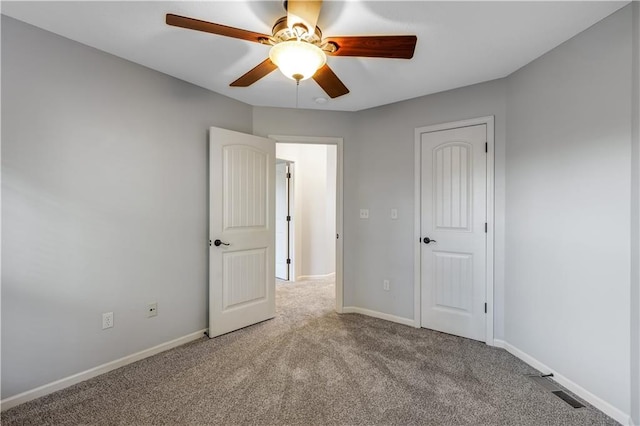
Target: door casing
{"points": [[489, 122], [289, 201]]}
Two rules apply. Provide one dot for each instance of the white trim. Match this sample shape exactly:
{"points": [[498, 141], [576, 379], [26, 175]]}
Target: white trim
{"points": [[43, 390], [490, 228], [611, 411], [294, 266], [318, 140], [499, 343], [376, 314], [316, 277], [293, 248], [417, 266], [339, 201], [489, 122]]}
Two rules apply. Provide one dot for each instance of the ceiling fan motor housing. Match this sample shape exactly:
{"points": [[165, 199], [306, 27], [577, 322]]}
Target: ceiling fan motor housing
{"points": [[282, 32]]}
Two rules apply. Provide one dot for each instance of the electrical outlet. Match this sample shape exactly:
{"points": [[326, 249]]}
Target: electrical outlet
{"points": [[152, 309], [364, 213], [107, 320], [385, 285]]}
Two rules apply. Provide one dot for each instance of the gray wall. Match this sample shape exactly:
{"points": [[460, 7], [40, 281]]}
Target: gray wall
{"points": [[104, 186], [384, 178], [635, 220], [378, 175], [568, 209]]}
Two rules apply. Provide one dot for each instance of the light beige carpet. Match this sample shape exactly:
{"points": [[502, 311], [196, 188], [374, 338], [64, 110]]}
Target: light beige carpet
{"points": [[311, 366]]}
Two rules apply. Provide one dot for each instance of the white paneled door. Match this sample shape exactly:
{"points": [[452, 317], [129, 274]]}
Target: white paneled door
{"points": [[453, 231], [241, 230]]}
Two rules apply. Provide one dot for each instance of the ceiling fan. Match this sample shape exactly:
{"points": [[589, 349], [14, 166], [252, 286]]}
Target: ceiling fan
{"points": [[298, 48]]}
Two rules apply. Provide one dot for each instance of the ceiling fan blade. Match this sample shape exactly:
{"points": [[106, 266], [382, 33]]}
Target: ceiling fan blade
{"points": [[210, 27], [304, 12], [262, 69], [394, 46], [330, 83]]}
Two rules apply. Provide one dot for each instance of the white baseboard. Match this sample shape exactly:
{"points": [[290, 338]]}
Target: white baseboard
{"points": [[376, 314], [43, 390], [498, 343], [602, 405], [316, 277]]}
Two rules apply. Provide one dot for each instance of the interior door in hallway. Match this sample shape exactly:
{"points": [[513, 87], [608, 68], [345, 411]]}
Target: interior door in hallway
{"points": [[283, 219], [242, 230], [453, 233]]}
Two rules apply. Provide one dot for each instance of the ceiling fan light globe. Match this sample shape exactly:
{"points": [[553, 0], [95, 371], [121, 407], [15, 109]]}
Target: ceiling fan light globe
{"points": [[297, 58]]}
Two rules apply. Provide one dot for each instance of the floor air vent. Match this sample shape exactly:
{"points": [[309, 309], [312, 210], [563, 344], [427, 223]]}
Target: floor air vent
{"points": [[552, 387], [568, 399]]}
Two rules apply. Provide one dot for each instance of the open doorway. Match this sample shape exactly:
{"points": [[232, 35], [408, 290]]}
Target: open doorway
{"points": [[306, 207], [309, 211]]}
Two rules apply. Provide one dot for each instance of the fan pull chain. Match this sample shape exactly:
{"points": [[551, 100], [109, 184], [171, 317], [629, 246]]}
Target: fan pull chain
{"points": [[297, 92]]}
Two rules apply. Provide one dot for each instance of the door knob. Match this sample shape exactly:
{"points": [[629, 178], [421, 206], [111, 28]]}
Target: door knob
{"points": [[218, 243], [428, 240]]}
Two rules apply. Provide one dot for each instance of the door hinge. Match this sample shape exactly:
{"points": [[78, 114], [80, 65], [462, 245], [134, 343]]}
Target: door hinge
{"points": [[209, 243], [337, 236], [486, 147], [288, 261], [288, 218], [288, 175], [485, 227], [485, 308]]}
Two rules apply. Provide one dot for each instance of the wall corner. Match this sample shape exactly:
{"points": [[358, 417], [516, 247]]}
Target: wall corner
{"points": [[635, 218]]}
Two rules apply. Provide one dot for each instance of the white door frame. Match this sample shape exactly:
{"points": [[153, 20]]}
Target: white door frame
{"points": [[291, 233], [490, 216], [339, 202], [291, 247]]}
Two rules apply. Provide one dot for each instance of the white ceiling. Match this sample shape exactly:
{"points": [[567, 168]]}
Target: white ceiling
{"points": [[459, 43]]}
